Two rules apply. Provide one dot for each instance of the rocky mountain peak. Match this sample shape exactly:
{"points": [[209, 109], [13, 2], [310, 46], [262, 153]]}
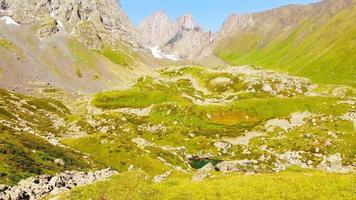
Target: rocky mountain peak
{"points": [[156, 21], [186, 22], [156, 29], [160, 15], [235, 22], [182, 38]]}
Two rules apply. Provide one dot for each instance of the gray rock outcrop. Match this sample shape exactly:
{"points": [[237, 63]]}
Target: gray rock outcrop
{"points": [[162, 177], [203, 172], [40, 186]]}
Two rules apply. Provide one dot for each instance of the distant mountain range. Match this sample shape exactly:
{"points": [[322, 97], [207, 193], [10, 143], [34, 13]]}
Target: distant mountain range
{"points": [[70, 43]]}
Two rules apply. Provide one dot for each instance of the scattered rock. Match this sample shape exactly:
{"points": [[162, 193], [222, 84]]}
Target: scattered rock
{"points": [[131, 168], [3, 187], [281, 123], [244, 140], [333, 163], [267, 88], [40, 186], [351, 116], [223, 146], [162, 177], [142, 143], [296, 120], [221, 82], [203, 172], [237, 165], [60, 162]]}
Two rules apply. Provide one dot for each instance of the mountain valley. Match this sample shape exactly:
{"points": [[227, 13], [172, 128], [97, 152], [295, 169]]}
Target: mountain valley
{"points": [[92, 107]]}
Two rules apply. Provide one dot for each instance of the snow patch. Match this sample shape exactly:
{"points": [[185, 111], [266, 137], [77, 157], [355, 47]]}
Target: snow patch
{"points": [[60, 24], [157, 53], [8, 20], [53, 15]]}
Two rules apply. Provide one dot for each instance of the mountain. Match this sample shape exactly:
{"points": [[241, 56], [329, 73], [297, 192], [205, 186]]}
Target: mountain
{"points": [[77, 45], [104, 20], [315, 40], [181, 38]]}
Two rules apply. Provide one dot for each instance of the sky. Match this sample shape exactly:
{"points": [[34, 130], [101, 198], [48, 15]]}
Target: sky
{"points": [[210, 14]]}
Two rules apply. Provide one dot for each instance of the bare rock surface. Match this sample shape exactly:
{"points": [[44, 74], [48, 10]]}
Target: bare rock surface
{"points": [[103, 19], [203, 172], [40, 186], [162, 177]]}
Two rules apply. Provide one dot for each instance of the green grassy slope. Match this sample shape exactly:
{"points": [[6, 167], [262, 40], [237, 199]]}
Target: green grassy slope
{"points": [[287, 185], [321, 48], [23, 155], [24, 123]]}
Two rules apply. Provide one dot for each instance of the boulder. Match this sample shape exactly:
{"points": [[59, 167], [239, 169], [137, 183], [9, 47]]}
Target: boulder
{"points": [[222, 146], [162, 177], [203, 172], [60, 162]]}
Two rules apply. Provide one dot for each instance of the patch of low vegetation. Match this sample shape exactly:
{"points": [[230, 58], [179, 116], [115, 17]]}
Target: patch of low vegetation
{"points": [[5, 43], [117, 56], [78, 72], [84, 57], [8, 45], [23, 155], [117, 152]]}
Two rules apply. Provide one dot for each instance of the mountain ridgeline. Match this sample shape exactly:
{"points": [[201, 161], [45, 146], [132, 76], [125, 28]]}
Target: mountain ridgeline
{"points": [[316, 41], [103, 48]]}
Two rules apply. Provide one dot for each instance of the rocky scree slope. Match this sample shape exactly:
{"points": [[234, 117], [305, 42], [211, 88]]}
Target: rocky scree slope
{"points": [[80, 46]]}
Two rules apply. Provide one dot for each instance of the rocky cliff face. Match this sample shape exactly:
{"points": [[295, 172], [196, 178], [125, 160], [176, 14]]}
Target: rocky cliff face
{"points": [[182, 38], [91, 22], [157, 29], [266, 23]]}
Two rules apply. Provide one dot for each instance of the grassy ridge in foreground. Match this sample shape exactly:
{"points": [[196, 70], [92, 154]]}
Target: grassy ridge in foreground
{"points": [[286, 185]]}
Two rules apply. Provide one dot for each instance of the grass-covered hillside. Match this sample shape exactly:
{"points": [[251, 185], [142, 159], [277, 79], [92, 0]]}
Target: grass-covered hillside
{"points": [[319, 46], [28, 145]]}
